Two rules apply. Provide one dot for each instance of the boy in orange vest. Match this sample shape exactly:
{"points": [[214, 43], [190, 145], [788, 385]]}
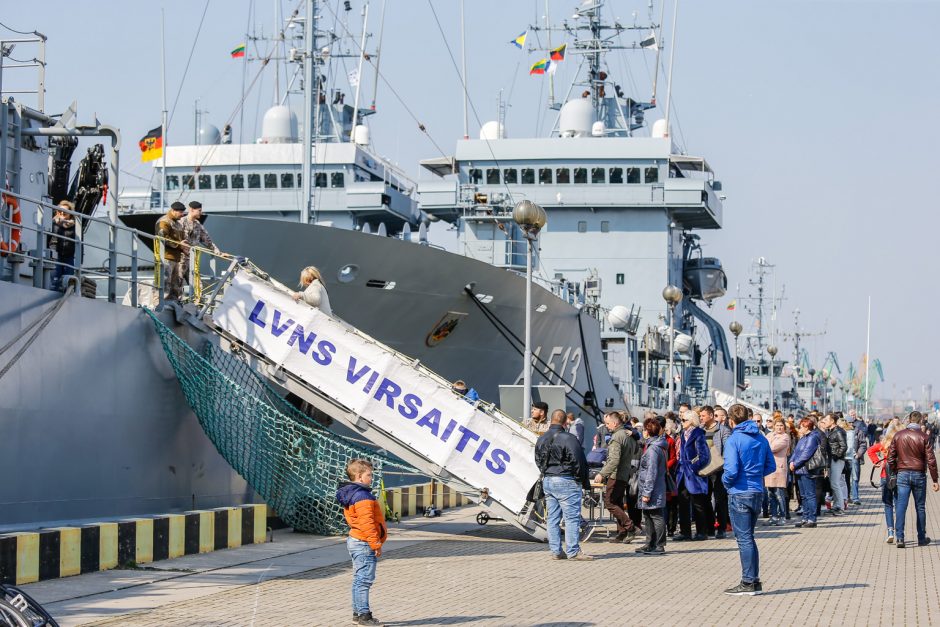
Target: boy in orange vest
{"points": [[367, 533]]}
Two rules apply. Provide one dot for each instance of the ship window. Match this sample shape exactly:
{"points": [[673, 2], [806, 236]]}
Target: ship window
{"points": [[287, 181], [582, 226], [476, 176], [221, 181], [337, 179], [528, 176], [254, 181], [511, 176], [270, 181], [580, 176], [319, 179], [633, 175], [616, 175], [620, 278], [238, 181], [652, 175], [492, 176], [299, 180], [189, 181], [172, 181], [545, 176], [597, 175], [562, 176], [605, 226], [205, 181]]}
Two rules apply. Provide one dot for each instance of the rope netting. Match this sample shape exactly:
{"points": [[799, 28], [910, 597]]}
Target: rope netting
{"points": [[294, 463]]}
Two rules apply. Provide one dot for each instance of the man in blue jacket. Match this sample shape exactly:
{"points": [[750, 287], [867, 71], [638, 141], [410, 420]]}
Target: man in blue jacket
{"points": [[748, 460]]}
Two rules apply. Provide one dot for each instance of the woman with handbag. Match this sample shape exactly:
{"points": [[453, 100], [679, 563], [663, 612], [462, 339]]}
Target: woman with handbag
{"points": [[693, 488], [776, 483], [672, 464], [878, 454], [808, 460]]}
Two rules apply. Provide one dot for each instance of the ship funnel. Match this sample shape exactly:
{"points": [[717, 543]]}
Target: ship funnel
{"points": [[492, 130], [576, 118], [279, 126]]}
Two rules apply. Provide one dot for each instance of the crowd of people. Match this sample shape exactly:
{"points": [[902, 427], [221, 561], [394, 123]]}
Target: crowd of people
{"points": [[706, 472]]}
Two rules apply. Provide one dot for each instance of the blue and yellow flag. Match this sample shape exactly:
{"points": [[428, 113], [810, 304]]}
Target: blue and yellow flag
{"points": [[519, 41]]}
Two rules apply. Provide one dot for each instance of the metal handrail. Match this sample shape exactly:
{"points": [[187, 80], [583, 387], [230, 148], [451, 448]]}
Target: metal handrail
{"points": [[42, 259]]}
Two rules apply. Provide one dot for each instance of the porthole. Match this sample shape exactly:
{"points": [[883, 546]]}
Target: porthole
{"points": [[348, 273]]}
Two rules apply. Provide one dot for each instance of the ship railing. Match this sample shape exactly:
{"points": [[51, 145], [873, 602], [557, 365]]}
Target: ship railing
{"points": [[145, 278]]}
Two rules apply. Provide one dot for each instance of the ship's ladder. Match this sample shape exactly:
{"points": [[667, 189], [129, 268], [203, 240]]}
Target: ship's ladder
{"points": [[388, 398]]}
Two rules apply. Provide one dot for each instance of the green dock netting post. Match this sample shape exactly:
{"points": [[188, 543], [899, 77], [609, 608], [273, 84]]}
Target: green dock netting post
{"points": [[294, 463]]}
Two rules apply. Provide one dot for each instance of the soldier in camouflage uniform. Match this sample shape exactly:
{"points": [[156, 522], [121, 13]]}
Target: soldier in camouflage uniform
{"points": [[194, 234]]}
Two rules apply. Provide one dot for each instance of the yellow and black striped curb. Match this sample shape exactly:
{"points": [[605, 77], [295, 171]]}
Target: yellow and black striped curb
{"points": [[412, 500], [64, 551]]}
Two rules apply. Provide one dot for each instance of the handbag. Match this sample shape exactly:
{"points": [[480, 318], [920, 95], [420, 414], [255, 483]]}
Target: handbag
{"points": [[818, 461], [716, 464]]}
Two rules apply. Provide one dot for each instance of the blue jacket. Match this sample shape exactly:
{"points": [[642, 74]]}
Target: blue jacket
{"points": [[652, 477], [748, 459], [805, 447], [693, 456]]}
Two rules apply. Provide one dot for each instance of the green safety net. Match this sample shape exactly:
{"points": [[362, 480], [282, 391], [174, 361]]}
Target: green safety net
{"points": [[293, 462]]}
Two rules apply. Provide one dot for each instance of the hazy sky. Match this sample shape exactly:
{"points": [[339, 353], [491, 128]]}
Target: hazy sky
{"points": [[820, 118]]}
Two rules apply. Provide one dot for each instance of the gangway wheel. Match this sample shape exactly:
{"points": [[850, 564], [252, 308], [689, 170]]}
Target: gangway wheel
{"points": [[483, 518]]}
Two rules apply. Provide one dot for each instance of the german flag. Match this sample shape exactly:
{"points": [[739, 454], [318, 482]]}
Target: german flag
{"points": [[151, 145]]}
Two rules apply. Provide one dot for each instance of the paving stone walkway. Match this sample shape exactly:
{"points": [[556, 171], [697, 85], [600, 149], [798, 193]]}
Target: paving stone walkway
{"points": [[841, 573]]}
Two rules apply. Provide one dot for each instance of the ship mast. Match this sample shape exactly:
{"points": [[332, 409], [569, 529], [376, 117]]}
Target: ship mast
{"points": [[310, 56]]}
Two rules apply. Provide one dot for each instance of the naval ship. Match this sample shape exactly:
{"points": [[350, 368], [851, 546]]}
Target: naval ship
{"points": [[623, 204]]}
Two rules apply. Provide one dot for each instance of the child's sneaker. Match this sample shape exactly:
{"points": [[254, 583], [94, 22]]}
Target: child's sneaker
{"points": [[367, 619]]}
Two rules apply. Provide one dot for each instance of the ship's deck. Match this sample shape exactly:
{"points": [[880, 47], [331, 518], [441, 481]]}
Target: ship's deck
{"points": [[450, 571]]}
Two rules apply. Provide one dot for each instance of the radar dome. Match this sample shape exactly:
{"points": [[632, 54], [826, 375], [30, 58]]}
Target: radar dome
{"points": [[361, 135], [618, 317], [209, 135], [598, 129], [659, 129], [492, 130], [576, 118], [279, 126], [683, 343]]}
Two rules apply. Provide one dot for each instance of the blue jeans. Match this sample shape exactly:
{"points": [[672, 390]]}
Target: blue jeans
{"points": [[909, 482], [856, 473], [364, 560], [807, 497], [563, 497], [887, 500], [744, 509], [836, 483], [778, 502]]}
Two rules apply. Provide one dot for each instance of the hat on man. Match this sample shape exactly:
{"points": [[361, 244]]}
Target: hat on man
{"points": [[541, 405], [195, 204], [178, 206]]}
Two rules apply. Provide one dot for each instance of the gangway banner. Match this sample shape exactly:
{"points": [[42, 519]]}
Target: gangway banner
{"points": [[383, 388]]}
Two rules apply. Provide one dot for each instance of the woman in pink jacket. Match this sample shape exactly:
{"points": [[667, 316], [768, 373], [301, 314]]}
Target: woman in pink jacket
{"points": [[776, 483]]}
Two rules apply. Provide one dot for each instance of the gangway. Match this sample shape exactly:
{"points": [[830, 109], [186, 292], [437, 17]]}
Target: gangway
{"points": [[390, 399]]}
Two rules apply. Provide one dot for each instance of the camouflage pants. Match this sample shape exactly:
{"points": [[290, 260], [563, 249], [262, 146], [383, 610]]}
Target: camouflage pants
{"points": [[173, 277]]}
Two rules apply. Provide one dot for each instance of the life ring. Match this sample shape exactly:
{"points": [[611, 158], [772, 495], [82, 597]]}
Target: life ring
{"points": [[15, 233]]}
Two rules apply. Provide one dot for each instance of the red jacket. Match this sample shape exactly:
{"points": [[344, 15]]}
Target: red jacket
{"points": [[877, 454]]}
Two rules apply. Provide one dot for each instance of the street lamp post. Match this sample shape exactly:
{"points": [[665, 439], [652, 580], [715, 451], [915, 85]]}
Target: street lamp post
{"points": [[672, 295], [772, 351], [824, 376], [531, 218], [735, 328], [812, 380]]}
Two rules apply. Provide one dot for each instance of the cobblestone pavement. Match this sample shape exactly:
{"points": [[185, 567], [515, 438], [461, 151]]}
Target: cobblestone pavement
{"points": [[841, 573]]}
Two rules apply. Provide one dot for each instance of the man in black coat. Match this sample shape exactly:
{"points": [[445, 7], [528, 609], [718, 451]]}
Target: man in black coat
{"points": [[560, 458]]}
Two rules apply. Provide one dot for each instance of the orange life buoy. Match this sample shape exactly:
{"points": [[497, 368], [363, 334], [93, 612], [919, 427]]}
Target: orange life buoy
{"points": [[15, 233]]}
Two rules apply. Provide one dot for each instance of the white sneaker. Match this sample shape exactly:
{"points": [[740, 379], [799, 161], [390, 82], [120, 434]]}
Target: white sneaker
{"points": [[890, 538]]}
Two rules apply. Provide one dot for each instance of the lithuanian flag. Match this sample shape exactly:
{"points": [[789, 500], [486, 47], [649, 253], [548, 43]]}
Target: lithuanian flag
{"points": [[732, 305], [239, 51], [558, 54], [151, 145], [540, 67]]}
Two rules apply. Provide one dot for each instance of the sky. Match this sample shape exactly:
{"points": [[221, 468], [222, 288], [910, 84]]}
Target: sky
{"points": [[819, 117]]}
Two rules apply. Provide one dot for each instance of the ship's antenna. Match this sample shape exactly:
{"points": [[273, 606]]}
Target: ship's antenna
{"points": [[551, 77], [278, 34], [463, 73], [362, 55], [672, 60], [378, 56], [310, 39], [164, 112], [659, 49]]}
